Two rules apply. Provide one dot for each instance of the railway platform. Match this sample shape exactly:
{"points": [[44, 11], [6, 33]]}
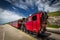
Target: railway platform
{"points": [[8, 32]]}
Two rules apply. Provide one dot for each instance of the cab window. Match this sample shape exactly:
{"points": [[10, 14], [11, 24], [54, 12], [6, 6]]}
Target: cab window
{"points": [[34, 18]]}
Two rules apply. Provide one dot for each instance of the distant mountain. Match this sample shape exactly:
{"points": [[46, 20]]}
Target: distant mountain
{"points": [[57, 13]]}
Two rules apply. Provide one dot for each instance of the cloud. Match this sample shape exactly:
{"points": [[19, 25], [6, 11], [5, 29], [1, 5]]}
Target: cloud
{"points": [[18, 3], [51, 9], [57, 4], [23, 6], [45, 5], [8, 16], [49, 5]]}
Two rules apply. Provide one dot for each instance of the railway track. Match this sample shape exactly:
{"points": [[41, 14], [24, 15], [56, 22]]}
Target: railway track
{"points": [[45, 36]]}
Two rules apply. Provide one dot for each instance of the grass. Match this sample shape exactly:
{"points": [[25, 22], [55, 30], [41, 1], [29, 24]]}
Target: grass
{"points": [[52, 26], [57, 13]]}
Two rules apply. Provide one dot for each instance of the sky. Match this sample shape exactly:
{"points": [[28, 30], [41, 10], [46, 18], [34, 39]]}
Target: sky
{"points": [[11, 10]]}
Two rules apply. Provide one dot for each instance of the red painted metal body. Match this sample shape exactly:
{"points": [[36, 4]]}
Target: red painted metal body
{"points": [[15, 24], [34, 25]]}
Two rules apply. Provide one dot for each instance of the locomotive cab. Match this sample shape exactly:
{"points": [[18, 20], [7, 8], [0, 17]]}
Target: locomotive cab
{"points": [[36, 23]]}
